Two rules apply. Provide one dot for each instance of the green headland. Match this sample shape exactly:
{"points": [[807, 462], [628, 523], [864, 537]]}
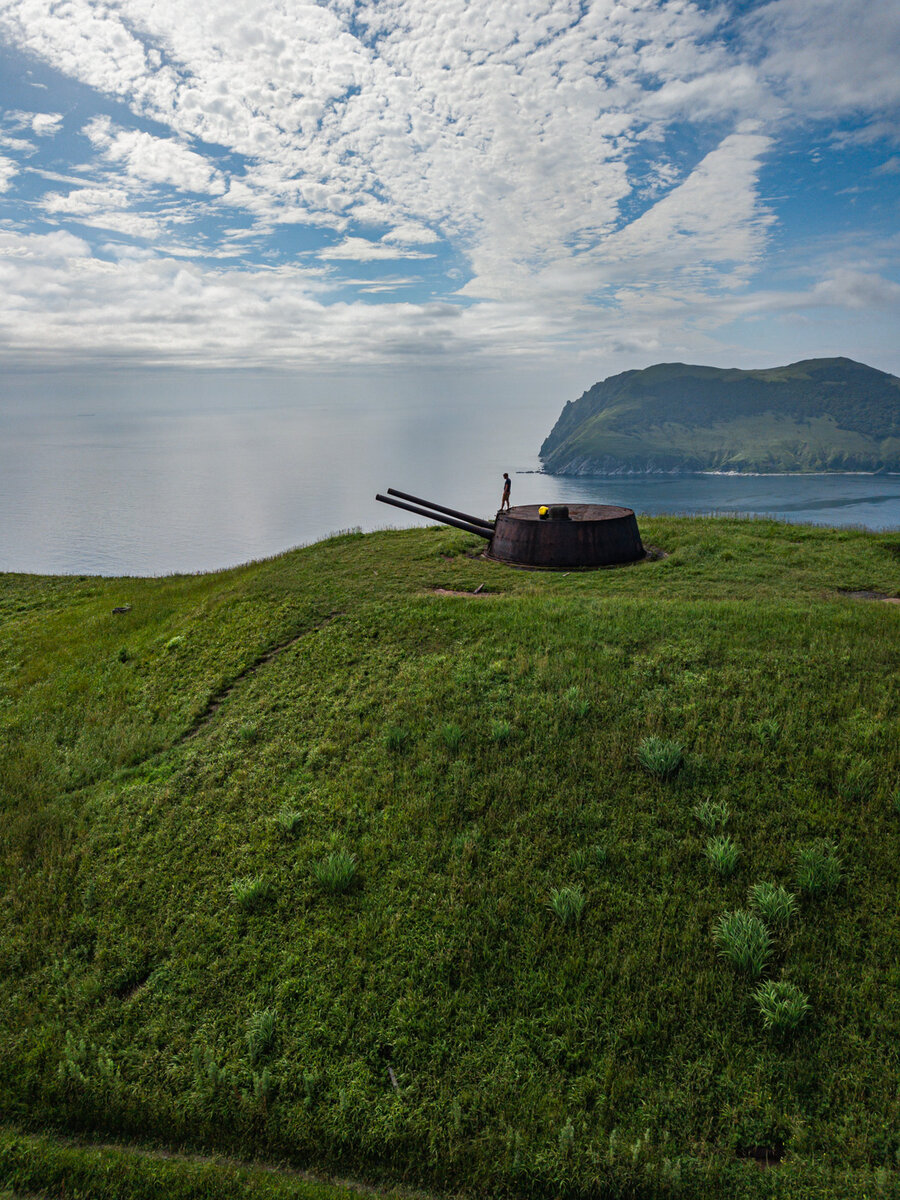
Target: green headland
{"points": [[583, 886], [823, 414]]}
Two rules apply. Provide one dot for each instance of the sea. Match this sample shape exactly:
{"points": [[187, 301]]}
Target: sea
{"points": [[175, 490]]}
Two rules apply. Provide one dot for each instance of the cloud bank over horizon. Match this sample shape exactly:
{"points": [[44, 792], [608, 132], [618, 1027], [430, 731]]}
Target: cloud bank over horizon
{"points": [[435, 180]]}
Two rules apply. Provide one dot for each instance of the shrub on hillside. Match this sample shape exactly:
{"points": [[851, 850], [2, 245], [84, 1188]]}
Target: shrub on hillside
{"points": [[336, 873], [782, 1005], [774, 903], [660, 757], [818, 868], [250, 892], [722, 853], [289, 822], [567, 903], [743, 939], [712, 813], [260, 1034]]}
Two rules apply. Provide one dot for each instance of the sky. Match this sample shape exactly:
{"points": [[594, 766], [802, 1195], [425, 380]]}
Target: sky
{"points": [[410, 186]]}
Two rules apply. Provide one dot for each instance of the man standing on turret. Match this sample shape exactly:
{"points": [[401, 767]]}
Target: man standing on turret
{"points": [[504, 503]]}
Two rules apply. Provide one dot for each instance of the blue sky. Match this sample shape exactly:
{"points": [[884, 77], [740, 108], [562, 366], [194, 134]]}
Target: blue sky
{"points": [[448, 184]]}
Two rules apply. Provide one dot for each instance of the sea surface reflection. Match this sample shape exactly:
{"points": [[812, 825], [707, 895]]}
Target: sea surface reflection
{"points": [[148, 493]]}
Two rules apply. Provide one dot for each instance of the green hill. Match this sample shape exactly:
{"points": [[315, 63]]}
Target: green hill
{"points": [[328, 864], [824, 414]]}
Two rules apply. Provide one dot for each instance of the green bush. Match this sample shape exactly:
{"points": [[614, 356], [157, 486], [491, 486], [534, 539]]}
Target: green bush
{"points": [[743, 939], [774, 903], [722, 853], [260, 1034], [567, 903], [782, 1005], [452, 735], [712, 813], [250, 892], [336, 872], [395, 739], [818, 868], [858, 782], [289, 822], [660, 757]]}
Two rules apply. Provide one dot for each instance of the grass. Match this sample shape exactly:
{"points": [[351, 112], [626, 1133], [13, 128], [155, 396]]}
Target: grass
{"points": [[453, 736], [743, 940], [289, 822], [261, 1034], [774, 903], [567, 903], [712, 813], [530, 1058], [336, 873], [251, 892], [818, 868], [660, 757], [782, 1005], [722, 853]]}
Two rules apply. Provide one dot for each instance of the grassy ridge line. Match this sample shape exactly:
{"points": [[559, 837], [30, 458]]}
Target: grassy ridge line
{"points": [[56, 1167], [530, 1060]]}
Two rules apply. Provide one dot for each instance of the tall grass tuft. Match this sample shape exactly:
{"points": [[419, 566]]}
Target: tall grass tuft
{"points": [[896, 800], [567, 903], [743, 939], [250, 892], [773, 902], [260, 1034], [818, 868], [395, 739], [765, 731], [336, 873], [579, 859], [782, 1005], [452, 735], [576, 703], [660, 757], [500, 731], [722, 853], [289, 822], [858, 782], [711, 814]]}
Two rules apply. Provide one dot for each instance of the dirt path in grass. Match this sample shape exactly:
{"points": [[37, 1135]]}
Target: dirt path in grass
{"points": [[217, 699]]}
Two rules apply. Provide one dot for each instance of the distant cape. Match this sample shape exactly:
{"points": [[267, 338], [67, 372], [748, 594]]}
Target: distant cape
{"points": [[821, 414]]}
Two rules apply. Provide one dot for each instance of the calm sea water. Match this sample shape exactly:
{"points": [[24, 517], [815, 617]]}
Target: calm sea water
{"points": [[151, 493]]}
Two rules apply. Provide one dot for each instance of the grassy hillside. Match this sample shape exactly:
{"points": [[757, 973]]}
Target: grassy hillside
{"points": [[817, 415], [313, 863]]}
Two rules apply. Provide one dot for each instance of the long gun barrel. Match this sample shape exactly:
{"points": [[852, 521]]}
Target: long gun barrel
{"points": [[481, 529], [452, 512]]}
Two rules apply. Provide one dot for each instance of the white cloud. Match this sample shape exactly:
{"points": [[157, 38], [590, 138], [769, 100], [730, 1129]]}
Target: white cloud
{"points": [[362, 250], [411, 233], [8, 169], [832, 59], [41, 124], [102, 208], [153, 159], [528, 138]]}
